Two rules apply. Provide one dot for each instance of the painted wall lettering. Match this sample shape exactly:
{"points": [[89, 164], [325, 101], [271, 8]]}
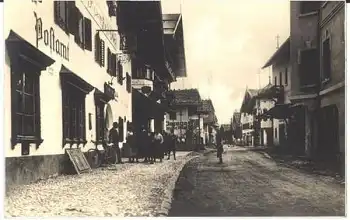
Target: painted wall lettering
{"points": [[48, 36]]}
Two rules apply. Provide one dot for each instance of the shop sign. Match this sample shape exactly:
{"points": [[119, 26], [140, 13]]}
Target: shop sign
{"points": [[109, 91], [48, 36]]}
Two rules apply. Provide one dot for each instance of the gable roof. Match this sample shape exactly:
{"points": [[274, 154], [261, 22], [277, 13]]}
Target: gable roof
{"points": [[186, 97], [281, 54]]}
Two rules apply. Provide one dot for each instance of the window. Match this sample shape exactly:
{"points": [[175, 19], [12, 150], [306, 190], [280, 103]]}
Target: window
{"points": [[99, 50], [73, 115], [100, 123], [172, 115], [309, 6], [128, 82], [26, 104], [83, 31], [65, 15], [112, 10], [281, 79], [120, 73], [326, 59], [275, 80], [308, 67], [111, 63], [286, 76]]}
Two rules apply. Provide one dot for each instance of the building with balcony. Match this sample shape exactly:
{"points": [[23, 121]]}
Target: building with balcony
{"points": [[142, 25], [60, 67], [280, 111]]}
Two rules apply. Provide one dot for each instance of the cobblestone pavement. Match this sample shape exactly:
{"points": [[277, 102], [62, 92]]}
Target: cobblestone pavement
{"points": [[249, 184], [122, 190]]}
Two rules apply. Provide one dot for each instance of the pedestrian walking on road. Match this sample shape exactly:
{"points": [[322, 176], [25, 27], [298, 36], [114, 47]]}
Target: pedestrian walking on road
{"points": [[114, 139], [219, 144], [143, 144], [172, 139]]}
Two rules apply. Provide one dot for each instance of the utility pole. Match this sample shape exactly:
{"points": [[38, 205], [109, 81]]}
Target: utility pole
{"points": [[278, 43]]}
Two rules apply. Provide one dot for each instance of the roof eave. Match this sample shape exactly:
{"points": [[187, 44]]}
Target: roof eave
{"points": [[272, 59]]}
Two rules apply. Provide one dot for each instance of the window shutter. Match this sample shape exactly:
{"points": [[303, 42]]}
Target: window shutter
{"points": [[109, 61], [87, 32], [97, 48], [72, 17], [114, 67], [102, 53], [56, 5], [77, 36]]}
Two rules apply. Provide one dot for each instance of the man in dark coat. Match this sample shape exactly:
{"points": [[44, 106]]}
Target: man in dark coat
{"points": [[114, 139], [142, 142], [219, 145]]}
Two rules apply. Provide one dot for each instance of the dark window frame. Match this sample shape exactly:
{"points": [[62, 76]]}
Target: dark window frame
{"points": [[308, 67], [100, 121], [20, 72], [128, 82], [99, 50], [307, 7], [120, 72], [74, 115]]}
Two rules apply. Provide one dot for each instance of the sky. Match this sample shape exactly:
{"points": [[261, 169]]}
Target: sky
{"points": [[226, 44]]}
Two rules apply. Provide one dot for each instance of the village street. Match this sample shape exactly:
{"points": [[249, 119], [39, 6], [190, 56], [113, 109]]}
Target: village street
{"points": [[249, 184], [124, 190]]}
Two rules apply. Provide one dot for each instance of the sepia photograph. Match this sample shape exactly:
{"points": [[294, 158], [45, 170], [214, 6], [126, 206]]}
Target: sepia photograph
{"points": [[174, 108]]}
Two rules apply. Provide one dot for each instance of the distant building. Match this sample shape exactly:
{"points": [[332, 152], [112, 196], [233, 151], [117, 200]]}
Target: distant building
{"points": [[209, 121], [186, 118]]}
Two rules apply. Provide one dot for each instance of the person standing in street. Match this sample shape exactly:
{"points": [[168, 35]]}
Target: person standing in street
{"points": [[158, 144], [172, 144], [114, 139], [132, 147], [219, 144]]}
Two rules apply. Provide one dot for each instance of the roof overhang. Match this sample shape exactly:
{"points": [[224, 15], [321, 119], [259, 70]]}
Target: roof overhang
{"points": [[281, 54]]}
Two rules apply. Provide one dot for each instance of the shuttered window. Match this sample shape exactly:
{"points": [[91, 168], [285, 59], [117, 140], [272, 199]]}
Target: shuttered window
{"points": [[128, 82], [109, 61], [79, 36], [102, 53], [87, 34], [120, 73], [99, 50]]}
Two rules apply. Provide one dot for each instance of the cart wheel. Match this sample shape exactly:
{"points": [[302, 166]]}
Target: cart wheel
{"points": [[111, 157], [94, 158]]}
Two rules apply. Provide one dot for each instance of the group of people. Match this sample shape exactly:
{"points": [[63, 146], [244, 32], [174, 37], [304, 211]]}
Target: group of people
{"points": [[150, 145]]}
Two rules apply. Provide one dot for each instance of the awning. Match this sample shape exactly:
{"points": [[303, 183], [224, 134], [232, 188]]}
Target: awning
{"points": [[17, 47], [281, 111], [68, 77]]}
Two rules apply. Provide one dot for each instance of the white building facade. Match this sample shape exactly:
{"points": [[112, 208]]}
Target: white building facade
{"points": [[59, 82]]}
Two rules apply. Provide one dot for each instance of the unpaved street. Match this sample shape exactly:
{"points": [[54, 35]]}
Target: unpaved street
{"points": [[123, 190], [249, 184]]}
